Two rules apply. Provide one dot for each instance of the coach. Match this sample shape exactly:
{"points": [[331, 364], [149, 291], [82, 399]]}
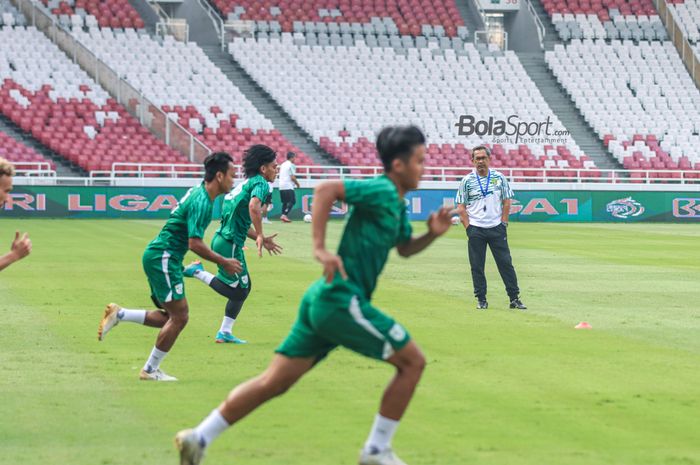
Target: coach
{"points": [[483, 201]]}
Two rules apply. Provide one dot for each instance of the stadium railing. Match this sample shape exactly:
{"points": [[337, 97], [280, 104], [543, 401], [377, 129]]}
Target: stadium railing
{"points": [[216, 20], [438, 174], [149, 115], [541, 33], [34, 169]]}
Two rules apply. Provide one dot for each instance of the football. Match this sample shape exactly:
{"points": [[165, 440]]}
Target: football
{"points": [[307, 218]]}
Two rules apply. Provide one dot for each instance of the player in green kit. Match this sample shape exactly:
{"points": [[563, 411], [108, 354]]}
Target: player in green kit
{"points": [[242, 209], [162, 262], [336, 310]]}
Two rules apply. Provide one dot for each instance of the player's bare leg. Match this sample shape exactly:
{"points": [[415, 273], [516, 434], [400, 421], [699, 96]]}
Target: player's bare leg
{"points": [[114, 314], [409, 363], [282, 373], [177, 313], [171, 322]]}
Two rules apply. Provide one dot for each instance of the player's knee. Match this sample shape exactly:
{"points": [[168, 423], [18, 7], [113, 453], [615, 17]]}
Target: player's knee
{"points": [[180, 319], [420, 363], [415, 364]]}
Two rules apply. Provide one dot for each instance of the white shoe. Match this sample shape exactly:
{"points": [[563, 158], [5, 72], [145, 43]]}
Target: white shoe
{"points": [[191, 449], [386, 457], [156, 375], [266, 221], [109, 320]]}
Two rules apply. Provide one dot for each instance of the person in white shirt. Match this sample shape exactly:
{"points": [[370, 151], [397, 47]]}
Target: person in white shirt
{"points": [[483, 201], [288, 182]]}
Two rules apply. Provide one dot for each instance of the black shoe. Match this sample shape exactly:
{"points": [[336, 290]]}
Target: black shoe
{"points": [[482, 305], [516, 303]]}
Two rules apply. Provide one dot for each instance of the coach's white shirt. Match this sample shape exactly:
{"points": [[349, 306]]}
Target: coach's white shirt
{"points": [[484, 211], [287, 170]]}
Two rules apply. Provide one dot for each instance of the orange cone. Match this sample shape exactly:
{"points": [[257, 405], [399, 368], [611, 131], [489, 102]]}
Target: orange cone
{"points": [[583, 325]]}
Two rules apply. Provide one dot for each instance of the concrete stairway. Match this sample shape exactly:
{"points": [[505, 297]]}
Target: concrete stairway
{"points": [[149, 16], [63, 167], [203, 32], [560, 103], [470, 14]]}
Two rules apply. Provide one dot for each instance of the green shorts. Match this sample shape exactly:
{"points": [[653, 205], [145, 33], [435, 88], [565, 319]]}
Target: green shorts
{"points": [[332, 315], [228, 249], [164, 274]]}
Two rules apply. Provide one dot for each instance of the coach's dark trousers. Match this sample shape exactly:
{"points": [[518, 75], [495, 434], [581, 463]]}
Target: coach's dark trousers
{"points": [[497, 239], [288, 200]]}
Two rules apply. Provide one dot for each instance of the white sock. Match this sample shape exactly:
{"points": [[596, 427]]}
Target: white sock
{"points": [[381, 435], [204, 276], [153, 362], [211, 427], [135, 316], [227, 325]]}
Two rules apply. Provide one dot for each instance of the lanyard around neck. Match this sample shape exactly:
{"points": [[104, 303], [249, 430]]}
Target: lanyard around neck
{"points": [[484, 192]]}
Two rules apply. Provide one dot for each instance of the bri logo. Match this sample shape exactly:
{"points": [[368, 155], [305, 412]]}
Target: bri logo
{"points": [[625, 208]]}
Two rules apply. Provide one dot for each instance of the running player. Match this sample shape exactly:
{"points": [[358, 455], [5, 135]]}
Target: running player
{"points": [[21, 246], [336, 310], [241, 209], [162, 262]]}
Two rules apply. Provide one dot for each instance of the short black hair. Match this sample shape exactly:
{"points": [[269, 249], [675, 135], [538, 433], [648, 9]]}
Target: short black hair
{"points": [[481, 147], [217, 162], [291, 155], [255, 157], [398, 142]]}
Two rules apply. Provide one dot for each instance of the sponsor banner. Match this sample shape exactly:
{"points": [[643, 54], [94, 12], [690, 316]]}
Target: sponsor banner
{"points": [[559, 206], [94, 202]]}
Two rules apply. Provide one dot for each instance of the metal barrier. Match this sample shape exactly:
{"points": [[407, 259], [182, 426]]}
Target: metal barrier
{"points": [[216, 20], [148, 114], [496, 37], [538, 23], [34, 168], [176, 27], [438, 174]]}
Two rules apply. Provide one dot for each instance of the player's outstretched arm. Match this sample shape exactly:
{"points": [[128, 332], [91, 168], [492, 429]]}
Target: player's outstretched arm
{"points": [[21, 247], [231, 265], [438, 223], [325, 195]]}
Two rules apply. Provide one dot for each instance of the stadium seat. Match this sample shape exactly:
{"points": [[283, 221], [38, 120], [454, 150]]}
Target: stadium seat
{"points": [[54, 100], [343, 95], [22, 156], [185, 83], [639, 99], [405, 17], [92, 13]]}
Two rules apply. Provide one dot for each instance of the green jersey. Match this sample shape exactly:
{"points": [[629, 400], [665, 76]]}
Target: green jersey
{"points": [[235, 216], [376, 223], [189, 219]]}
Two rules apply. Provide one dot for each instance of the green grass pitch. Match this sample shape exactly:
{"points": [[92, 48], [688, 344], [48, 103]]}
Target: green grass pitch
{"points": [[501, 387]]}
